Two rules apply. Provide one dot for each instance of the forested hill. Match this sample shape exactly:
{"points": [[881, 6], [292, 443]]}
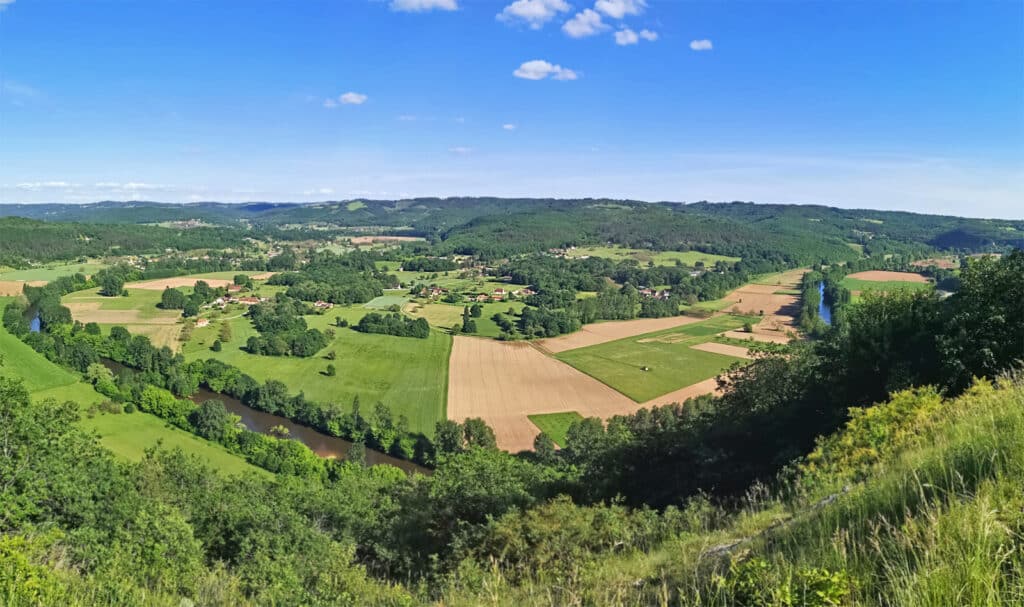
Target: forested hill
{"points": [[23, 240], [450, 217]]}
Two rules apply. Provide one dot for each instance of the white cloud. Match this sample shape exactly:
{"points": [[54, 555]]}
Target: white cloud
{"points": [[322, 191], [534, 13], [538, 69], [625, 37], [421, 6], [460, 150], [351, 98], [44, 185], [509, 127], [700, 45], [617, 9], [583, 24], [5, 3]]}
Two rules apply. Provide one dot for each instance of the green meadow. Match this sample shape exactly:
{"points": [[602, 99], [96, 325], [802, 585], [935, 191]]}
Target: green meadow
{"points": [[659, 258], [51, 271], [444, 316], [409, 375], [125, 434], [667, 355], [555, 425], [856, 284]]}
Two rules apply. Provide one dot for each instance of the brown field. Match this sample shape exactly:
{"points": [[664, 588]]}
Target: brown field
{"points": [[708, 386], [91, 312], [159, 334], [503, 382], [882, 276], [599, 333], [780, 311], [939, 262], [361, 240], [14, 287], [181, 281], [262, 276], [727, 349], [776, 338]]}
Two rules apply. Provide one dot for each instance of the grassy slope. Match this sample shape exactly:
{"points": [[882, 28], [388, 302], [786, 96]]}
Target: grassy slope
{"points": [[555, 425], [444, 315], [51, 271], [935, 517], [407, 374], [672, 363], [856, 284], [127, 435]]}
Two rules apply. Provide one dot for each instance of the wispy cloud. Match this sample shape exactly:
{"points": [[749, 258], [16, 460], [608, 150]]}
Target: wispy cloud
{"points": [[460, 150], [648, 35], [5, 3], [538, 69], [351, 98], [320, 191], [509, 127], [422, 6], [626, 36], [584, 23], [534, 13], [407, 118], [617, 9], [35, 186], [700, 45]]}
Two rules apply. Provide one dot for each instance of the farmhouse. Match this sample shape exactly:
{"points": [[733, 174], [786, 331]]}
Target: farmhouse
{"points": [[234, 288], [323, 305], [482, 297], [202, 322], [248, 301]]}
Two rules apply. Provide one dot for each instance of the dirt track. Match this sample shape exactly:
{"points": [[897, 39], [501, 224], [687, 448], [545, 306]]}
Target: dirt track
{"points": [[602, 332], [883, 276], [14, 287]]}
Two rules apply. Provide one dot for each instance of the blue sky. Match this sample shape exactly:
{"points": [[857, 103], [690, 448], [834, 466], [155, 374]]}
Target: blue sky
{"points": [[916, 106]]}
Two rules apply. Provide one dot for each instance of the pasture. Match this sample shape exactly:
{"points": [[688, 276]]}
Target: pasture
{"points": [[601, 332], [505, 382], [658, 258], [49, 272], [555, 425], [647, 366], [409, 375], [138, 312], [128, 435], [884, 281], [444, 316]]}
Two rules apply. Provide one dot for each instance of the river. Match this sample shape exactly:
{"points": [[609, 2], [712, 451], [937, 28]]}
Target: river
{"points": [[824, 310], [260, 421]]}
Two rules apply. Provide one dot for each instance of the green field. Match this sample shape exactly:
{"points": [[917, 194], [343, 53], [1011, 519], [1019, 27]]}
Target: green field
{"points": [[127, 435], [130, 434], [444, 316], [856, 284], [660, 258], [51, 271], [671, 362], [409, 375], [555, 425], [384, 302]]}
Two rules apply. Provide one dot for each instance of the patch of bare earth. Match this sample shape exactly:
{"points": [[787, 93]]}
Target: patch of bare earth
{"points": [[91, 312], [263, 276], [181, 281], [599, 333], [503, 382], [883, 276], [774, 338], [708, 386], [938, 262], [779, 312], [727, 349], [10, 288]]}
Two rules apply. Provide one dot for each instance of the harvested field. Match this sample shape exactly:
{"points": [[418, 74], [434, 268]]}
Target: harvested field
{"points": [[762, 337], [160, 284], [262, 275], [93, 312], [781, 310], [945, 263], [884, 276], [728, 350], [363, 240], [504, 382], [602, 332], [14, 287]]}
